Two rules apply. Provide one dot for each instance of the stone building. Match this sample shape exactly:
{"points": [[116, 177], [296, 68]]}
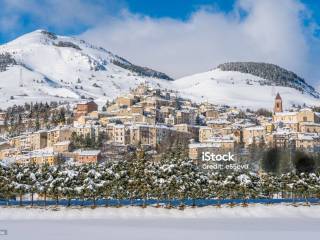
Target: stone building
{"points": [[188, 128], [59, 134], [309, 142], [254, 134], [83, 108], [309, 127], [87, 156]]}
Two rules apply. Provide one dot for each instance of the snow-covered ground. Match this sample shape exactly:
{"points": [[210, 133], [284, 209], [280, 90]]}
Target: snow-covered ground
{"points": [[254, 222]]}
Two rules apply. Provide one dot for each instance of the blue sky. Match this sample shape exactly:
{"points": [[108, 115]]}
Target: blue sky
{"points": [[181, 37], [180, 9], [26, 20]]}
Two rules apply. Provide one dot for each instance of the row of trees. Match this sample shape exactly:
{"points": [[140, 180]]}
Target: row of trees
{"points": [[139, 178]]}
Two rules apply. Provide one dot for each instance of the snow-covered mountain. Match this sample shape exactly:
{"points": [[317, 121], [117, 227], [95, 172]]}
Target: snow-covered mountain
{"points": [[272, 75], [41, 66], [251, 85]]}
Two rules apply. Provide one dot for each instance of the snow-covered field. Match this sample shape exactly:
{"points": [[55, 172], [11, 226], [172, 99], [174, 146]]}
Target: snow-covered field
{"points": [[253, 222]]}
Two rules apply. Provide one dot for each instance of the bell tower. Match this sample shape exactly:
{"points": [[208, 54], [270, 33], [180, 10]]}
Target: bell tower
{"points": [[278, 104]]}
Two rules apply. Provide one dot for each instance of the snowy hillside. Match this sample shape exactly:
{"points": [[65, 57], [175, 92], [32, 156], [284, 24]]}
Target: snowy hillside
{"points": [[41, 66], [240, 89], [272, 75]]}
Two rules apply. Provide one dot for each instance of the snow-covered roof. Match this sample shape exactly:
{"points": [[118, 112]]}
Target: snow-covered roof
{"points": [[283, 131], [221, 139], [158, 126], [286, 113], [306, 109], [45, 152], [308, 136], [286, 122], [119, 126], [62, 143], [205, 127], [205, 145], [255, 128], [310, 124], [87, 152], [82, 126], [218, 121], [64, 127], [186, 124], [4, 142], [83, 102]]}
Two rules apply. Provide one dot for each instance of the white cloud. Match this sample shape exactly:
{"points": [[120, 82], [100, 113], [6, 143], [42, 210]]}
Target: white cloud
{"points": [[271, 31], [64, 15]]}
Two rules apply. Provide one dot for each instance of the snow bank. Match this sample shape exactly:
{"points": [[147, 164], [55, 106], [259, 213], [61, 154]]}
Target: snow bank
{"points": [[251, 223], [225, 212]]}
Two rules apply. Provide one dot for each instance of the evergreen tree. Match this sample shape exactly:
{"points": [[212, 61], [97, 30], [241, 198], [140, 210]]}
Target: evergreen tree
{"points": [[45, 179]]}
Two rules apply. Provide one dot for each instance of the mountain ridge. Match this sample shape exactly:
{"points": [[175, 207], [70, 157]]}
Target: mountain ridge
{"points": [[272, 72], [243, 90], [43, 66]]}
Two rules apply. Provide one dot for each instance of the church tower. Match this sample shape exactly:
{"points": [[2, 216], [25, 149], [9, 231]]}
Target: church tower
{"points": [[278, 104]]}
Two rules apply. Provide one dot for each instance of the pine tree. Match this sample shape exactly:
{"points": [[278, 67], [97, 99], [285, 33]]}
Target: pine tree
{"points": [[55, 188], [93, 183], [45, 178], [20, 180], [6, 186], [70, 179], [32, 179]]}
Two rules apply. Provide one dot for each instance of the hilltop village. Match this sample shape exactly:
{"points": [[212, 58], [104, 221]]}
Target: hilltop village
{"points": [[153, 120]]}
